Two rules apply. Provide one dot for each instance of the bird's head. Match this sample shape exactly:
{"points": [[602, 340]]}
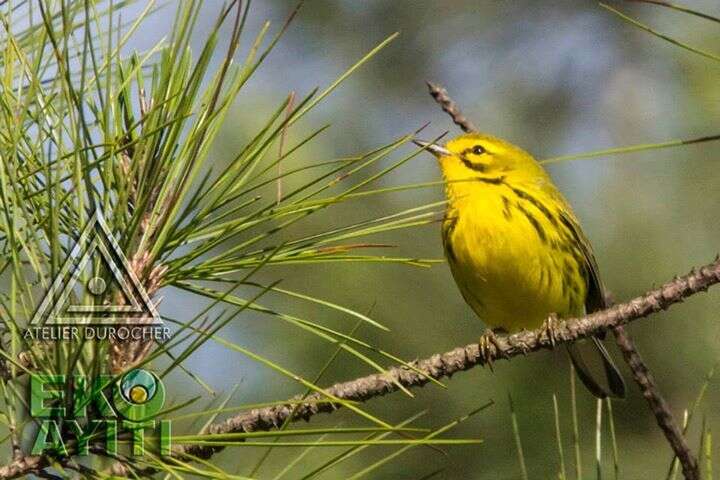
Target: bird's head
{"points": [[476, 155]]}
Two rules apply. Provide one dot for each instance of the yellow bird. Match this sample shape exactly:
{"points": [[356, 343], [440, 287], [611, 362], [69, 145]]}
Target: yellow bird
{"points": [[514, 246]]}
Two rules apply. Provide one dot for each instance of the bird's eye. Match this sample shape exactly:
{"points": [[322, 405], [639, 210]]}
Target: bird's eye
{"points": [[478, 150]]}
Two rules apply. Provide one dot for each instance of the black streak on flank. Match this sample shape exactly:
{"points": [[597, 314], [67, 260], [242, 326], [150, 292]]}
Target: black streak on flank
{"points": [[506, 208], [534, 222], [583, 272], [543, 278], [537, 203], [566, 281], [492, 181], [447, 230]]}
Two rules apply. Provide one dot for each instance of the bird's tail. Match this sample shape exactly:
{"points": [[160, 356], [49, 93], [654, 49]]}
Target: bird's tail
{"points": [[613, 386]]}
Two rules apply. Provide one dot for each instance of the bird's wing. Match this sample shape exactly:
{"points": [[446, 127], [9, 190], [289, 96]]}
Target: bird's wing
{"points": [[595, 300]]}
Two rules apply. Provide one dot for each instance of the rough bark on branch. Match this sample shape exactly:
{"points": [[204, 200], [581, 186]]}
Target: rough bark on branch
{"points": [[437, 366], [658, 405], [450, 107], [469, 356]]}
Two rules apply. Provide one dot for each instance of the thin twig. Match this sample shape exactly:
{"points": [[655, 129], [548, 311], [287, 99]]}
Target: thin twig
{"points": [[450, 107], [657, 404]]}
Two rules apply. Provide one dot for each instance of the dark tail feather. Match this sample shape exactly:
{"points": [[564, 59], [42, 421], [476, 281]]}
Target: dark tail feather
{"points": [[615, 384], [614, 378]]}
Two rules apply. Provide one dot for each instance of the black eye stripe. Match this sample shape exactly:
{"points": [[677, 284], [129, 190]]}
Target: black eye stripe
{"points": [[475, 150], [478, 167]]}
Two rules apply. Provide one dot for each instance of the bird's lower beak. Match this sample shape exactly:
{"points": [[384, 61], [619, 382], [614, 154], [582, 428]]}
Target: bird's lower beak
{"points": [[436, 150]]}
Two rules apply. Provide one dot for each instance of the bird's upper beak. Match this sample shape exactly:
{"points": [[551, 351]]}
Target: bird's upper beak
{"points": [[436, 150]]}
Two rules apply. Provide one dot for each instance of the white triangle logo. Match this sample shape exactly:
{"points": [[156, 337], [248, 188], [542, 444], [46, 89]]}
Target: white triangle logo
{"points": [[57, 307]]}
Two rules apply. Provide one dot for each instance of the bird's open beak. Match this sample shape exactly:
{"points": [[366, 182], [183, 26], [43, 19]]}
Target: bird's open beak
{"points": [[436, 150]]}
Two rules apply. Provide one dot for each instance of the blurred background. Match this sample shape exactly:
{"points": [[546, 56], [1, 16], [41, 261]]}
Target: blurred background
{"points": [[555, 77]]}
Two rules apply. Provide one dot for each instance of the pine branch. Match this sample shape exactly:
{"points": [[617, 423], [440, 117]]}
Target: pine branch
{"points": [[658, 405], [450, 107], [460, 359], [436, 367]]}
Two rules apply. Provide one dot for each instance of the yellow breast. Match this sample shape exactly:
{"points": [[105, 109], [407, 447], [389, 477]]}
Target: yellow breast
{"points": [[512, 260]]}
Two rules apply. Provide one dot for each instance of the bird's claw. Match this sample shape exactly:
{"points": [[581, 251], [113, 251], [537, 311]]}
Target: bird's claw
{"points": [[550, 326], [487, 342]]}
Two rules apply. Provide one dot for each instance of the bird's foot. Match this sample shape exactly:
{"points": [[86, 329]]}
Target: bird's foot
{"points": [[487, 342], [550, 327]]}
